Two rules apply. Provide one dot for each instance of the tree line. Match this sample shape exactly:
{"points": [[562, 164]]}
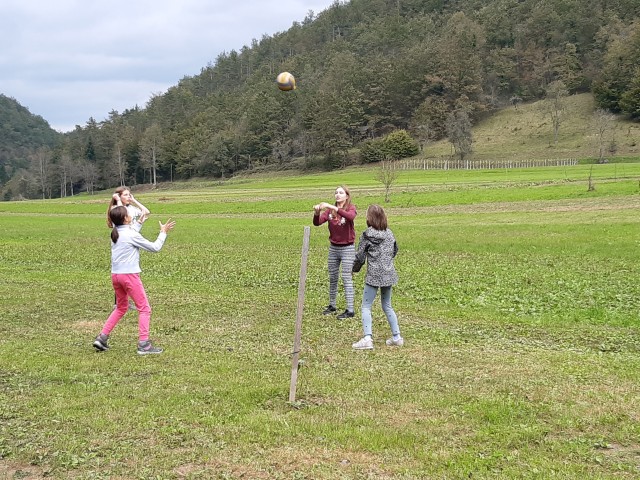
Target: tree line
{"points": [[365, 69]]}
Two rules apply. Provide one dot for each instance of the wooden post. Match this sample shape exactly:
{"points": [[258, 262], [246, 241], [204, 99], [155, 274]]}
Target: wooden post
{"points": [[298, 330]]}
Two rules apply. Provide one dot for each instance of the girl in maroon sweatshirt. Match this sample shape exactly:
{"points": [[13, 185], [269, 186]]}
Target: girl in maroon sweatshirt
{"points": [[342, 236]]}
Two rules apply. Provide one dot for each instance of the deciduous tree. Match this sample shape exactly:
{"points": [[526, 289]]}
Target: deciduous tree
{"points": [[459, 132], [555, 105], [150, 145], [387, 175], [602, 124]]}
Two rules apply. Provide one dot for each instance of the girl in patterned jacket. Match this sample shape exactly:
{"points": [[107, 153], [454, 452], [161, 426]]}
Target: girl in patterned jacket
{"points": [[377, 247]]}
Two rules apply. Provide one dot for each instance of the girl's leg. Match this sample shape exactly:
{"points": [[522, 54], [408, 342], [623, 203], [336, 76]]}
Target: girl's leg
{"points": [[122, 304], [333, 263], [385, 297], [136, 291], [348, 257], [368, 296]]}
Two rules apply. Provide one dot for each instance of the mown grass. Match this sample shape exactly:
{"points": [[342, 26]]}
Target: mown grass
{"points": [[518, 301]]}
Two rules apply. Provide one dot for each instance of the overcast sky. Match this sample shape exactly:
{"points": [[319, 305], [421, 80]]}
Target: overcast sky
{"points": [[69, 60]]}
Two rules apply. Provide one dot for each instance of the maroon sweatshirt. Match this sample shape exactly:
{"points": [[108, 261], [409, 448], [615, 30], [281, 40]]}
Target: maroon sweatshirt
{"points": [[341, 229]]}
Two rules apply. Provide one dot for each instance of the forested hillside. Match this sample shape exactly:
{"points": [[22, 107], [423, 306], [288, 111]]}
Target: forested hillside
{"points": [[22, 136], [365, 69]]}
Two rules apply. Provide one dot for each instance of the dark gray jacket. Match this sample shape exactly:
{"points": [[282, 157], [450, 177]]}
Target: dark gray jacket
{"points": [[378, 248]]}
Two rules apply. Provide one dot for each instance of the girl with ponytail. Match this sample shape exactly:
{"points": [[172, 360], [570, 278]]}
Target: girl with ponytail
{"points": [[126, 243]]}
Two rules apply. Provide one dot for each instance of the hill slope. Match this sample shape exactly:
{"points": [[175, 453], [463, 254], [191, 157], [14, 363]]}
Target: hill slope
{"points": [[527, 132], [20, 128], [21, 133]]}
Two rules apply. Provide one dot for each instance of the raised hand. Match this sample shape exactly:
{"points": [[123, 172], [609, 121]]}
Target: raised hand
{"points": [[167, 227]]}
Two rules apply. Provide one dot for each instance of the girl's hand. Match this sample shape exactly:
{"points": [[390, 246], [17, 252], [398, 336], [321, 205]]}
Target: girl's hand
{"points": [[316, 208], [167, 227]]}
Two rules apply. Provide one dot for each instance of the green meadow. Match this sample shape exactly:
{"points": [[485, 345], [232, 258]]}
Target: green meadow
{"points": [[518, 299]]}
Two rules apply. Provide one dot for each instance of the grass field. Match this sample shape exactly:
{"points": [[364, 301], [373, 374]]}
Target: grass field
{"points": [[518, 300]]}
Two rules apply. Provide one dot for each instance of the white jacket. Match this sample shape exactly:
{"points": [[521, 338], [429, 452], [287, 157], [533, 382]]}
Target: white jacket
{"points": [[125, 253]]}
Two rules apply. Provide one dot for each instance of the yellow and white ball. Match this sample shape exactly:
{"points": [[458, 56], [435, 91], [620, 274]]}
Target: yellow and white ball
{"points": [[286, 82]]}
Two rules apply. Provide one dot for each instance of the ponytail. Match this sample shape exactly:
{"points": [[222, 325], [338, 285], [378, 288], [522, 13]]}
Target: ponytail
{"points": [[117, 216]]}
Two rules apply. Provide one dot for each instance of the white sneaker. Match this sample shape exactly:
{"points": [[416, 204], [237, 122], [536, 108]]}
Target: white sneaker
{"points": [[395, 343], [365, 343]]}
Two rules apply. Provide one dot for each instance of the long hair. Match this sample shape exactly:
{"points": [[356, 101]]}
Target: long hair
{"points": [[347, 202], [376, 218], [118, 217], [114, 203]]}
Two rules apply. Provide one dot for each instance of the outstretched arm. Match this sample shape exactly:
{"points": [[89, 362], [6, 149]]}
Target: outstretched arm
{"points": [[141, 242]]}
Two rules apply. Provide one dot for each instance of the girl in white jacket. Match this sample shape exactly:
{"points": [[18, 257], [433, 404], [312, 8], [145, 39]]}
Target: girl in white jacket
{"points": [[125, 277]]}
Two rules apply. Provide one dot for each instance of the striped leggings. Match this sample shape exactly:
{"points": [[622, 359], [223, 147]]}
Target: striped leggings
{"points": [[345, 256]]}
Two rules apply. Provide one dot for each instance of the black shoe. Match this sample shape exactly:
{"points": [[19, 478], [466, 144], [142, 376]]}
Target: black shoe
{"points": [[101, 343], [346, 314], [330, 310]]}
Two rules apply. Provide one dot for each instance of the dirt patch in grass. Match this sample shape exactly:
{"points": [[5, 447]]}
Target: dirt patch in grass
{"points": [[286, 463], [626, 453], [86, 326], [23, 472]]}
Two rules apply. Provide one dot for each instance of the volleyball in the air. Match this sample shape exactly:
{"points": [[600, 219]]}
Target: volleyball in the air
{"points": [[286, 82]]}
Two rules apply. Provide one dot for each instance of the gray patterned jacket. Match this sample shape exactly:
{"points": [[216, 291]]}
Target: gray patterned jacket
{"points": [[378, 248]]}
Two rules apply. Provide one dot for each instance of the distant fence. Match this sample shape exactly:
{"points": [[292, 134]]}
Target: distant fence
{"points": [[456, 164]]}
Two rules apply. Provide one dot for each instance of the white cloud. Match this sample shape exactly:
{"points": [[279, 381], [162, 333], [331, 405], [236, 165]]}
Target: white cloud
{"points": [[70, 60]]}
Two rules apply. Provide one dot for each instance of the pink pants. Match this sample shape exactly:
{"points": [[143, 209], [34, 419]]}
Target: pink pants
{"points": [[129, 285]]}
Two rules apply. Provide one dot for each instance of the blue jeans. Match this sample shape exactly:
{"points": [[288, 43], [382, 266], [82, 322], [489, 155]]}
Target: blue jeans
{"points": [[368, 296]]}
